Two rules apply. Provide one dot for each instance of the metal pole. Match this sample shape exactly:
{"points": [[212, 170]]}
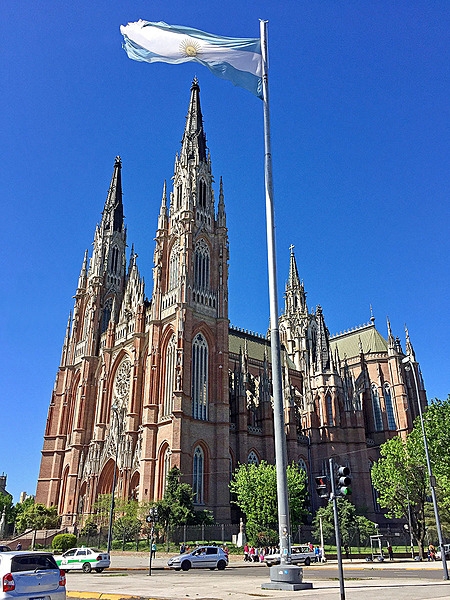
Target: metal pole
{"points": [[113, 491], [278, 409], [408, 360], [337, 530]]}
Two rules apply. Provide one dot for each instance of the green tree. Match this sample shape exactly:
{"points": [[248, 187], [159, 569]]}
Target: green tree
{"points": [[6, 505], [401, 480], [177, 507], [102, 507], [37, 516], [255, 489], [355, 529], [437, 427]]}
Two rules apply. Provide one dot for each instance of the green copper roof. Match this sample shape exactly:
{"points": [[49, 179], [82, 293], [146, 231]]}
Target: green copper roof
{"points": [[348, 343], [256, 345]]}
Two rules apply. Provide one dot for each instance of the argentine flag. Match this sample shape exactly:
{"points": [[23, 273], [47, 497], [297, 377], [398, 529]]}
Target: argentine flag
{"points": [[236, 59]]}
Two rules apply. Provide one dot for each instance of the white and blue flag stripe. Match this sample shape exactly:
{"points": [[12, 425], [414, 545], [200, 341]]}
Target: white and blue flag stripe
{"points": [[236, 59]]}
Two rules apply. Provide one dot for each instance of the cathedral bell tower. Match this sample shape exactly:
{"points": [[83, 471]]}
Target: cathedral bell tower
{"points": [[189, 327]]}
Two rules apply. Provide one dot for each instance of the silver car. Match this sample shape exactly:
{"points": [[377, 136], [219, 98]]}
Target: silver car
{"points": [[203, 557], [299, 555], [31, 576]]}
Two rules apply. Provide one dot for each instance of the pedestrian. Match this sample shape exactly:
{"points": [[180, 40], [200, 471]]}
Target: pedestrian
{"points": [[390, 552], [19, 546], [153, 550], [246, 553], [316, 554], [225, 549], [431, 552], [182, 548]]}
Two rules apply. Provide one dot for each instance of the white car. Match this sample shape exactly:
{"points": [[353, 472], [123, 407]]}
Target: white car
{"points": [[446, 550], [203, 557], [83, 559], [299, 555], [30, 575]]}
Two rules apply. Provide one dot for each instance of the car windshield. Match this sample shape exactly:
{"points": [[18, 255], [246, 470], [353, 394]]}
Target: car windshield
{"points": [[32, 562]]}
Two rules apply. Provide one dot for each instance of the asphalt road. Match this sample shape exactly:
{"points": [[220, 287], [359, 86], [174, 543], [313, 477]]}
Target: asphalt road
{"points": [[240, 581]]}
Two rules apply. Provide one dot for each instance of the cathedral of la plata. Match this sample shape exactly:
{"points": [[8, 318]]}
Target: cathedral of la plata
{"points": [[146, 385]]}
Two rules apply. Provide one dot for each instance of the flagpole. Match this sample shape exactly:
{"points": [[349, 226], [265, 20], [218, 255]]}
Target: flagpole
{"points": [[278, 410]]}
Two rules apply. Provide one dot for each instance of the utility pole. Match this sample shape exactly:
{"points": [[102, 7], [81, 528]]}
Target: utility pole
{"points": [[333, 499]]}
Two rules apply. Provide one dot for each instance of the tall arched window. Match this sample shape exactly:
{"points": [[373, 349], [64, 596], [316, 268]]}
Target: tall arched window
{"points": [[114, 260], [376, 505], [377, 415], [169, 383], [200, 378], [174, 266], [106, 315], [198, 476], [178, 196], [166, 467], [329, 403], [392, 425], [202, 194], [201, 266]]}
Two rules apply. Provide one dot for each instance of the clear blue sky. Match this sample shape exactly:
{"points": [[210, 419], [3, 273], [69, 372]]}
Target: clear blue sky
{"points": [[360, 134]]}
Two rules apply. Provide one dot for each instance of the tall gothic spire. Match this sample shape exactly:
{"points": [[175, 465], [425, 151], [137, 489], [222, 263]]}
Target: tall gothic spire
{"points": [[113, 211], [193, 146], [295, 297]]}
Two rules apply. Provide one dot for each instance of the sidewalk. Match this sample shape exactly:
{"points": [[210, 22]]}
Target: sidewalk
{"points": [[242, 581]]}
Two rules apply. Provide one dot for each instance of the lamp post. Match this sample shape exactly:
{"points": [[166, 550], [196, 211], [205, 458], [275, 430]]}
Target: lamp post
{"points": [[114, 481], [408, 361]]}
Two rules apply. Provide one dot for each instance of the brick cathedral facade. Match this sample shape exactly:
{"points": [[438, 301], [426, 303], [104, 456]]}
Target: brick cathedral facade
{"points": [[146, 385]]}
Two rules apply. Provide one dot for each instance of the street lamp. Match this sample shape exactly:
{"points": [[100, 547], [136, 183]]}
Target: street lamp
{"points": [[115, 409], [408, 360]]}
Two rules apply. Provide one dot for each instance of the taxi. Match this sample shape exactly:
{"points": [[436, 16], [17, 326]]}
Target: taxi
{"points": [[83, 559]]}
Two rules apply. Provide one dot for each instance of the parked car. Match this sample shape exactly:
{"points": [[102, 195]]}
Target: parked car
{"points": [[446, 550], [5, 549], [83, 559], [203, 557], [299, 555], [25, 575]]}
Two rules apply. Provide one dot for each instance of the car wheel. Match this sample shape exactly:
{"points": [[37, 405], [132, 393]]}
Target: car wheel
{"points": [[185, 565], [307, 561], [87, 567], [221, 565], [99, 569]]}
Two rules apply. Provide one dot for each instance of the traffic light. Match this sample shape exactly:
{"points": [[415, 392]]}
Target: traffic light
{"points": [[343, 482], [322, 486]]}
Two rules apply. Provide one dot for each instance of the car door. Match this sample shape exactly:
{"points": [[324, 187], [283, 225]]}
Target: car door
{"points": [[211, 554]]}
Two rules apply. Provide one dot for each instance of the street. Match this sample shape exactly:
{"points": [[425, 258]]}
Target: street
{"points": [[363, 581]]}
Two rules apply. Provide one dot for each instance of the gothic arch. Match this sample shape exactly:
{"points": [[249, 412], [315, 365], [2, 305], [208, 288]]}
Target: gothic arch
{"points": [[105, 480], [200, 472], [134, 486], [169, 349], [164, 464], [63, 490], [200, 379], [253, 457], [71, 404]]}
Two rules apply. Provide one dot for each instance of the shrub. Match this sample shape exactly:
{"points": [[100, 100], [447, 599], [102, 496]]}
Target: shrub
{"points": [[64, 541]]}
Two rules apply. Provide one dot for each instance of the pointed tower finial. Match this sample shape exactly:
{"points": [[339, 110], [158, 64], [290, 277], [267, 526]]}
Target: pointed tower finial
{"points": [[194, 140], [409, 346], [372, 318], [83, 272], [221, 216], [113, 211]]}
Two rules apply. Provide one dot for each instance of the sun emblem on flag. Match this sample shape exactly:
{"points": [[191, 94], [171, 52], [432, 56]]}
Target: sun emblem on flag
{"points": [[190, 47]]}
